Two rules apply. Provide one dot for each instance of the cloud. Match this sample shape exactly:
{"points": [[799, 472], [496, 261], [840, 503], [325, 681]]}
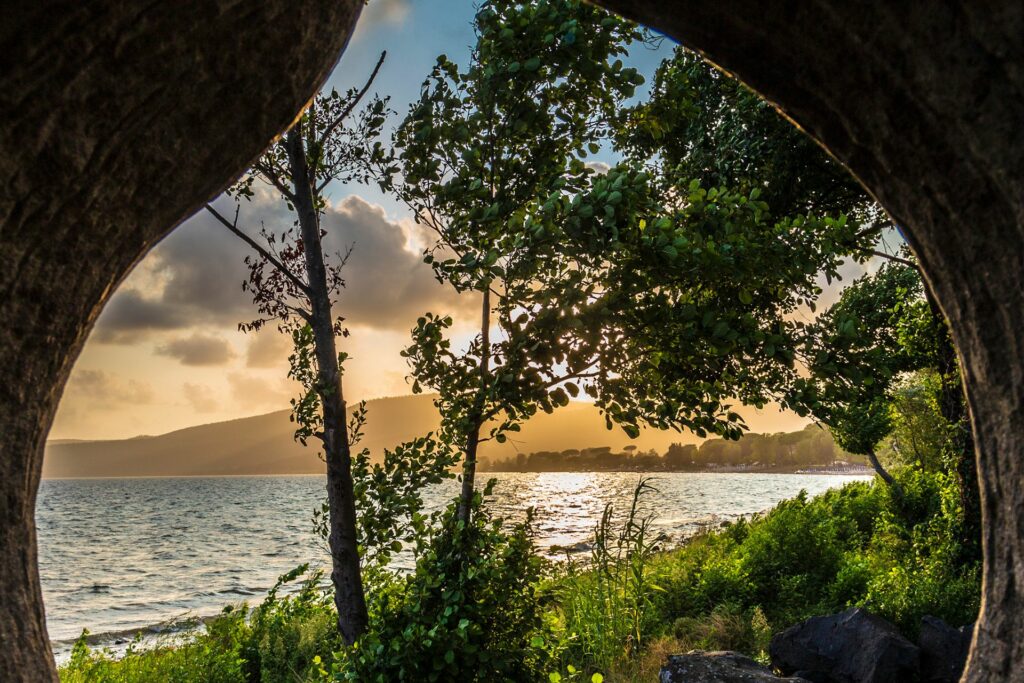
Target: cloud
{"points": [[130, 315], [268, 349], [102, 389], [385, 12], [200, 397], [387, 284], [194, 277], [198, 350], [251, 392], [599, 167]]}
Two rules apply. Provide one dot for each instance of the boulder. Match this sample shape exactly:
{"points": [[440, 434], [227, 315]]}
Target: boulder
{"points": [[717, 667], [943, 650], [850, 647]]}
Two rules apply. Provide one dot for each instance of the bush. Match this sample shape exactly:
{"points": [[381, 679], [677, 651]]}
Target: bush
{"points": [[468, 612]]}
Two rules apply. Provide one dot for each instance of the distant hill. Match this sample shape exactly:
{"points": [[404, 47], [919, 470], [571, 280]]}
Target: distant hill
{"points": [[263, 444]]}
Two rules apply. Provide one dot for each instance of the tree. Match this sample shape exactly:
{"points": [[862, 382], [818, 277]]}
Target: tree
{"points": [[856, 351], [699, 123], [709, 127], [294, 285], [615, 285], [484, 152]]}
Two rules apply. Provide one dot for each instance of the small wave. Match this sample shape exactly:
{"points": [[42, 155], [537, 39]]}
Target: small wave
{"points": [[180, 625]]}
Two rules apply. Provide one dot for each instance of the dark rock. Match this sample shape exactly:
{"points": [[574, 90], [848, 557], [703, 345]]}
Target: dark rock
{"points": [[850, 647], [943, 650], [717, 667], [812, 676]]}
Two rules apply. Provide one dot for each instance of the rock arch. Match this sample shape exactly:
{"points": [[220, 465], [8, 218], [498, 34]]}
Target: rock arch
{"points": [[119, 120]]}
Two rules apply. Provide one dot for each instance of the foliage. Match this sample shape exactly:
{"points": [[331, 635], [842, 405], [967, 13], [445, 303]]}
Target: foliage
{"points": [[289, 637], [920, 436], [468, 612], [484, 153], [880, 329], [859, 545], [389, 493], [707, 126]]}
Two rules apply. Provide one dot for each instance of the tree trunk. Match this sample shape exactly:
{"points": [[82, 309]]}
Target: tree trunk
{"points": [[473, 438], [345, 570], [881, 471]]}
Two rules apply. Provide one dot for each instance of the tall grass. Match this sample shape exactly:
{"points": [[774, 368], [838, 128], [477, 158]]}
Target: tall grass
{"points": [[607, 602]]}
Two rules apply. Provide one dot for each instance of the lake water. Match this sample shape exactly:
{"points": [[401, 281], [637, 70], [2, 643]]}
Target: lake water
{"points": [[117, 555]]}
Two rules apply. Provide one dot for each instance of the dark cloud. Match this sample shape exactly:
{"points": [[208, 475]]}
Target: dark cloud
{"points": [[198, 350], [194, 277], [387, 285], [130, 315]]}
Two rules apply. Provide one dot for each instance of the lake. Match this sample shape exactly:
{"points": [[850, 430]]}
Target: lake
{"points": [[118, 555]]}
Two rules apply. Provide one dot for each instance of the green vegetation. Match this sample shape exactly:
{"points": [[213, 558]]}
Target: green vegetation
{"points": [[505, 615], [812, 447]]}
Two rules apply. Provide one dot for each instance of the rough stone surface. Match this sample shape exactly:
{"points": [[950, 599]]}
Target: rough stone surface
{"points": [[850, 647], [943, 650], [119, 119], [923, 101], [717, 667]]}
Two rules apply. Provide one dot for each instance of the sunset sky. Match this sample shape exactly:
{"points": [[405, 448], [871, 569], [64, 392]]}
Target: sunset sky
{"points": [[166, 352]]}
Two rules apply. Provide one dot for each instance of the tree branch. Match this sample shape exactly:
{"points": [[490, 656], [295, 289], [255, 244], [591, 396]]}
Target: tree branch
{"points": [[352, 105], [888, 257], [274, 179], [233, 227]]}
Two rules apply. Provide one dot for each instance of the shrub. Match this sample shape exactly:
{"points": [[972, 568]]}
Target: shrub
{"points": [[468, 612]]}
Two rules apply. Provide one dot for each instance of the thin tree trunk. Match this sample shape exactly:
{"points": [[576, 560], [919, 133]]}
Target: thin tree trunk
{"points": [[345, 571], [473, 438], [882, 472]]}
